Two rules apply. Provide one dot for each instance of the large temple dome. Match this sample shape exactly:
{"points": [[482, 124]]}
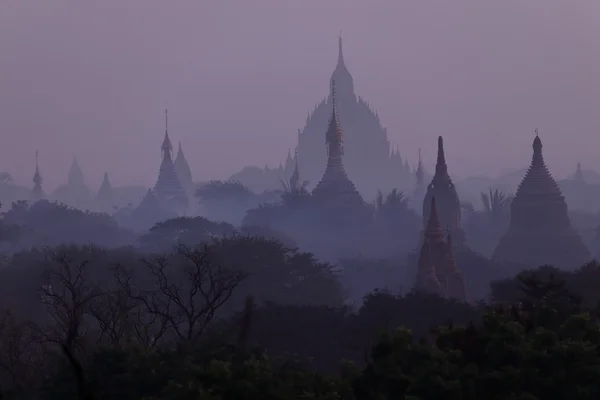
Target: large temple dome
{"points": [[368, 158]]}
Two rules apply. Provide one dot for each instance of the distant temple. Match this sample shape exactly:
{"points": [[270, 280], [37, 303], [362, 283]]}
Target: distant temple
{"points": [[578, 176], [437, 270], [37, 193], [418, 194], [540, 231], [184, 173], [369, 160], [75, 193], [335, 186], [168, 189], [448, 204], [105, 195]]}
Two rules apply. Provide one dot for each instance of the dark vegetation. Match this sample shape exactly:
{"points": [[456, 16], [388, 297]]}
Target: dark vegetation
{"points": [[195, 309]]}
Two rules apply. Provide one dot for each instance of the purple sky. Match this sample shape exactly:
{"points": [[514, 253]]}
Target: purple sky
{"points": [[92, 79]]}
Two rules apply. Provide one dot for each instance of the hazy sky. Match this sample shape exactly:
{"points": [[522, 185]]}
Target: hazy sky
{"points": [[92, 79]]}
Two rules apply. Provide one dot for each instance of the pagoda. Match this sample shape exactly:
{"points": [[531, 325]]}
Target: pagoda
{"points": [[105, 195], [437, 270], [168, 188], [335, 186], [37, 193], [443, 189], [184, 173], [540, 231], [75, 193], [369, 159]]}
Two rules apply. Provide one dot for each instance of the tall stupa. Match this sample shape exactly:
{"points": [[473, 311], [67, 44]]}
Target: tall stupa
{"points": [[540, 230]]}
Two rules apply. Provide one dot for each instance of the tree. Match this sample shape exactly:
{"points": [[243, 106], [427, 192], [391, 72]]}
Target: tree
{"points": [[190, 231], [184, 291], [68, 296], [276, 273]]}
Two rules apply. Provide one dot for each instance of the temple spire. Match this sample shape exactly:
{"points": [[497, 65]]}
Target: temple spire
{"points": [[440, 167], [334, 137], [184, 172], [37, 181], [166, 147], [419, 174], [579, 173], [340, 50], [168, 187], [75, 174]]}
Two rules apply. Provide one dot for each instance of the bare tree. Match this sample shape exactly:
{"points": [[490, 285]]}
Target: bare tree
{"points": [[184, 292], [68, 296], [140, 323], [21, 355], [111, 312]]}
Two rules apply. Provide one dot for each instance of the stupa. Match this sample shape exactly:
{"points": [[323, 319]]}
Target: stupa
{"points": [[540, 230]]}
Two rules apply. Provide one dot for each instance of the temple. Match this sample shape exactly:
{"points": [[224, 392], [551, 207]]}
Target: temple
{"points": [[105, 195], [418, 194], [168, 188], [75, 193], [540, 230], [437, 270], [448, 204], [37, 193], [369, 160], [578, 176], [335, 186], [184, 173]]}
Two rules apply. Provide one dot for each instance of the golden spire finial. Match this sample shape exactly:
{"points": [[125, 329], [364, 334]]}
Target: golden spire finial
{"points": [[166, 120]]}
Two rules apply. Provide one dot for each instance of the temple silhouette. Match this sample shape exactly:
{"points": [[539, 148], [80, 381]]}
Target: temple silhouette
{"points": [[437, 270], [540, 230], [370, 161]]}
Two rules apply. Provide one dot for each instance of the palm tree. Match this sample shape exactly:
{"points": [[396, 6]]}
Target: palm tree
{"points": [[395, 200], [496, 205]]}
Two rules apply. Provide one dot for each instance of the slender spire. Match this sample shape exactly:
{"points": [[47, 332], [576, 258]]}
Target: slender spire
{"points": [[419, 174], [334, 137], [166, 147], [441, 168], [579, 173], [37, 181], [340, 50], [37, 177]]}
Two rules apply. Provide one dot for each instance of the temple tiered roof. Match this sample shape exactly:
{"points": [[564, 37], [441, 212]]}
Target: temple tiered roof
{"points": [[168, 188], [184, 173], [335, 181], [105, 193], [538, 180], [437, 270], [540, 230], [442, 188]]}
